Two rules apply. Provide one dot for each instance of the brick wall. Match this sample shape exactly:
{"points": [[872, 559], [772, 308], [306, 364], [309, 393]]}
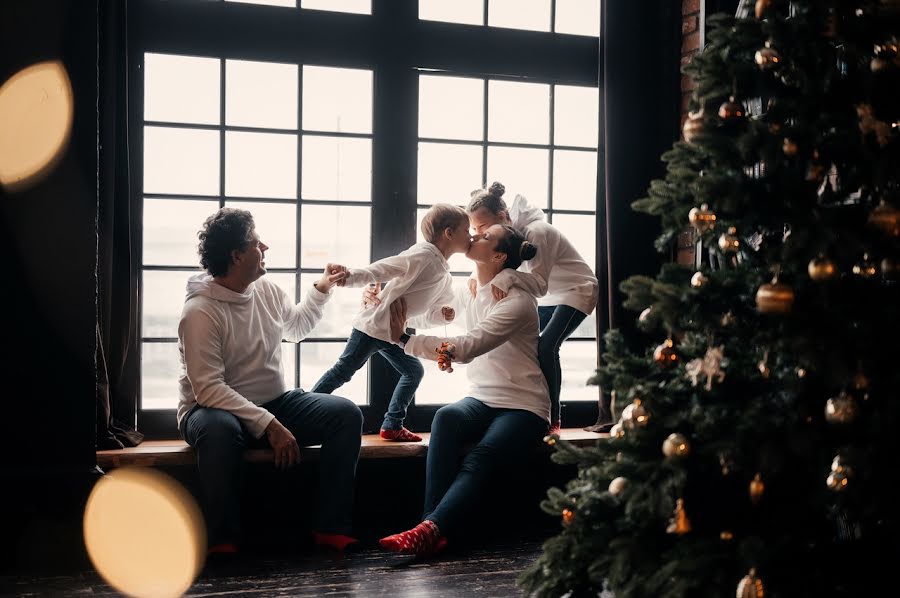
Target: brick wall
{"points": [[690, 45]]}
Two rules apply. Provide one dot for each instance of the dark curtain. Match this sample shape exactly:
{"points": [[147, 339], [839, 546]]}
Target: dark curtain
{"points": [[117, 272]]}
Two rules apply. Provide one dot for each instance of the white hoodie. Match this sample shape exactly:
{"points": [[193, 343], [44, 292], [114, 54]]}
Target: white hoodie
{"points": [[230, 346], [560, 276]]}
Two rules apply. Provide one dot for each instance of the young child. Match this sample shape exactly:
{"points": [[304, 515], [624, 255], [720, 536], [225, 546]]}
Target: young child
{"points": [[422, 277]]}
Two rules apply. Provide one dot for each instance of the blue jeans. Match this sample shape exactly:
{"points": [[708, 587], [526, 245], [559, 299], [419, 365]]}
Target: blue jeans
{"points": [[558, 322], [505, 437], [360, 346], [219, 440]]}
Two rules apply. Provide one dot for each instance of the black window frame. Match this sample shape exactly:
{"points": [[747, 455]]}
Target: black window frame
{"points": [[396, 46]]}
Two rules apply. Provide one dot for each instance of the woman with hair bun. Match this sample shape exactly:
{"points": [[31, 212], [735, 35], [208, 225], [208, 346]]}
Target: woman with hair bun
{"points": [[506, 411], [567, 287]]}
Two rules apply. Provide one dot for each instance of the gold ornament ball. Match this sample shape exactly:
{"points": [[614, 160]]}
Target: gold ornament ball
{"points": [[774, 298], [790, 147], [551, 439], [618, 486], [878, 64], [567, 517], [702, 218], [866, 268], [731, 111], [767, 58], [837, 481], [664, 355], [762, 6], [886, 218], [698, 280], [676, 446], [839, 466], [639, 414], [751, 586], [726, 536], [693, 126], [729, 242], [821, 268], [842, 409], [617, 431], [757, 487]]}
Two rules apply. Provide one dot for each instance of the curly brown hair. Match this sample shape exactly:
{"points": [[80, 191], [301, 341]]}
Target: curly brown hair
{"points": [[227, 230]]}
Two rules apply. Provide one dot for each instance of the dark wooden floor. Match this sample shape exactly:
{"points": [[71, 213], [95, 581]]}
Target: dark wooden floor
{"points": [[489, 571]]}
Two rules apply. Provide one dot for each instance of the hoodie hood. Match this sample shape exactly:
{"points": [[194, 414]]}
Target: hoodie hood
{"points": [[521, 214], [202, 284]]}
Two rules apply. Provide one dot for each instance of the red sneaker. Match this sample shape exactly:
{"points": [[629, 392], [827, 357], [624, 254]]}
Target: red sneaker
{"points": [[337, 542], [554, 428], [423, 540], [401, 435]]}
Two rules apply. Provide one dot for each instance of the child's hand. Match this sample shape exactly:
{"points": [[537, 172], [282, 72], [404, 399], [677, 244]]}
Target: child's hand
{"points": [[445, 356], [498, 294], [334, 274], [472, 286], [448, 313]]}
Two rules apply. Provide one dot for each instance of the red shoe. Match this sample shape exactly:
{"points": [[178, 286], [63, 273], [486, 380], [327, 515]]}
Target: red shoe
{"points": [[401, 435], [554, 428], [423, 540], [337, 542]]}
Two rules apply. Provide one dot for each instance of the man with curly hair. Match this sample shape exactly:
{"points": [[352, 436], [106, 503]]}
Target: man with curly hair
{"points": [[233, 393]]}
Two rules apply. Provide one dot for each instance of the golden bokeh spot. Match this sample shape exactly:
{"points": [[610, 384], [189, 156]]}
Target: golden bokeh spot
{"points": [[144, 533], [36, 109]]}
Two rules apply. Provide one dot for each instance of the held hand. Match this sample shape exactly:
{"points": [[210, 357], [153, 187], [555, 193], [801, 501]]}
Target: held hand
{"points": [[334, 274], [398, 319], [284, 445], [472, 286], [370, 295], [497, 293], [448, 313]]}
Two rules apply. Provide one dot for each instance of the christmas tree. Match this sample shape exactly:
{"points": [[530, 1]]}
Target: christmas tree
{"points": [[759, 445]]}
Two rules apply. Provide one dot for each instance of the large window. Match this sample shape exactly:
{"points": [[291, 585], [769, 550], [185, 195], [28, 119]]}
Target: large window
{"points": [[337, 124]]}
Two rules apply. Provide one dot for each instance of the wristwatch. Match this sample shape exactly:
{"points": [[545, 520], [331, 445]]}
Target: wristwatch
{"points": [[404, 338]]}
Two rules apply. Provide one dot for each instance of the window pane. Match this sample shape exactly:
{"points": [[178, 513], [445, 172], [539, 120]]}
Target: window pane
{"points": [[160, 370], [576, 110], [336, 234], [181, 161], [451, 107], [440, 388], [580, 230], [458, 262], [579, 17], [587, 328], [285, 280], [458, 326], [518, 112], [183, 89], [470, 12], [522, 171], [316, 358], [291, 3], [163, 295], [362, 7], [170, 230], [339, 311], [289, 363], [447, 173], [533, 15], [337, 100], [337, 168], [260, 165], [276, 225], [579, 362], [260, 94], [574, 180]]}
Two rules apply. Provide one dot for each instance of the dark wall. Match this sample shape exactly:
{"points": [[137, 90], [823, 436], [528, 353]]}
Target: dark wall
{"points": [[641, 53], [49, 239]]}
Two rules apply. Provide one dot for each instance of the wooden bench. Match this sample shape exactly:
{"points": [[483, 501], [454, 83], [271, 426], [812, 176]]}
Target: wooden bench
{"points": [[156, 453]]}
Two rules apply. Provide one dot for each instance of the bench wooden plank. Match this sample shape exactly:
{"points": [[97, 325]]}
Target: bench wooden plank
{"points": [[155, 453]]}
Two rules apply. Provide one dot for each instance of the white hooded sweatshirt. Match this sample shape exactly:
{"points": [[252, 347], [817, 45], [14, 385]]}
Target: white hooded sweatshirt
{"points": [[230, 346], [560, 276]]}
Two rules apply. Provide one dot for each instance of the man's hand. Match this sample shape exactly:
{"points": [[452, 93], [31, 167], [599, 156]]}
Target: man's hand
{"points": [[284, 445], [398, 319], [472, 286], [370, 295], [448, 313], [334, 274], [497, 293]]}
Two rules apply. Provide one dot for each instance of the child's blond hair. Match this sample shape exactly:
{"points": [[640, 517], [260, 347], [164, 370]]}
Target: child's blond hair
{"points": [[439, 218]]}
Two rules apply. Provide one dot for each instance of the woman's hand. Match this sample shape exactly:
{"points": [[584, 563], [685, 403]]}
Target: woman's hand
{"points": [[370, 295], [398, 319], [334, 274]]}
